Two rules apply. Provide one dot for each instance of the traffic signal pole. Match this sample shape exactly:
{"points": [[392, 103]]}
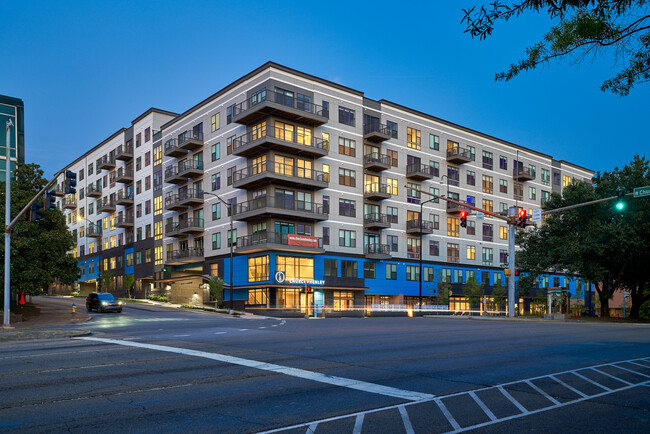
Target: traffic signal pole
{"points": [[512, 229]]}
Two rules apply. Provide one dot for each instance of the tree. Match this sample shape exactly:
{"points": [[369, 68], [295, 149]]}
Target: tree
{"points": [[474, 291], [498, 296], [580, 28], [441, 288], [107, 279], [129, 280], [216, 288], [39, 251]]}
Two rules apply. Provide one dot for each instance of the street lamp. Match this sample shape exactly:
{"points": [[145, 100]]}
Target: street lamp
{"points": [[422, 249], [230, 240], [447, 190]]}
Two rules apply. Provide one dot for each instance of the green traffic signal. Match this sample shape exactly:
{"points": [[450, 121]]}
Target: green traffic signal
{"points": [[620, 206]]}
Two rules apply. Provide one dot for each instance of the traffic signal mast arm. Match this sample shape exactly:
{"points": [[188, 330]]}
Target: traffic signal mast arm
{"points": [[579, 205], [499, 216], [31, 202]]}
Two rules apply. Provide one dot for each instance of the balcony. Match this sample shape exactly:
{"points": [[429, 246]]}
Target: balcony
{"points": [[185, 256], [279, 173], [105, 205], [93, 231], [523, 174], [184, 227], [173, 150], [190, 140], [106, 162], [267, 240], [418, 171], [93, 191], [69, 202], [190, 197], [454, 208], [124, 197], [267, 206], [458, 155], [376, 162], [267, 102], [59, 190], [124, 152], [263, 139], [376, 133], [180, 173], [124, 221], [376, 221], [124, 174], [173, 203], [417, 227], [377, 251], [376, 191]]}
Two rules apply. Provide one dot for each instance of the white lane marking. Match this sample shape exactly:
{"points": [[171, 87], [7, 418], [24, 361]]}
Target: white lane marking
{"points": [[541, 392], [261, 327], [180, 336], [610, 376], [405, 418], [131, 339], [311, 429], [639, 364], [219, 333], [274, 325], [243, 330], [358, 423], [82, 367], [484, 407], [513, 400], [363, 386], [552, 377], [447, 414], [634, 372], [590, 380]]}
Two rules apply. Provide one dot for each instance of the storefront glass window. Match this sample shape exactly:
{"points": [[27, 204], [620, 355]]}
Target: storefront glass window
{"points": [[296, 267]]}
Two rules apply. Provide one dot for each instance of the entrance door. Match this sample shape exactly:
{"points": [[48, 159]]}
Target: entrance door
{"points": [[307, 303]]}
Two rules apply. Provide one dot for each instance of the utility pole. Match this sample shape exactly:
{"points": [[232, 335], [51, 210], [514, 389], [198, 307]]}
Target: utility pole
{"points": [[512, 229], [7, 287]]}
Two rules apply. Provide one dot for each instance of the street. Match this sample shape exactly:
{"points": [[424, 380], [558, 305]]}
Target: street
{"points": [[156, 369]]}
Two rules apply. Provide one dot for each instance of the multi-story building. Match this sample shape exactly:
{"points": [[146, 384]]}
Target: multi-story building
{"points": [[14, 109], [325, 187]]}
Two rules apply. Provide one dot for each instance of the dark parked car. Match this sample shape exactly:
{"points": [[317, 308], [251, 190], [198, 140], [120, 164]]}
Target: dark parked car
{"points": [[103, 303]]}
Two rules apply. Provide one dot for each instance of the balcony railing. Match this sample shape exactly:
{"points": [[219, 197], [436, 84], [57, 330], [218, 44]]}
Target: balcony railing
{"points": [[69, 202], [376, 219], [264, 97], [304, 142], [299, 174], [376, 158], [124, 197], [269, 237], [418, 170], [523, 174], [105, 204], [377, 249], [191, 252], [317, 209], [124, 152], [105, 162], [417, 224], [458, 155], [124, 220], [185, 198], [125, 174], [189, 165], [190, 139], [186, 225], [376, 132], [94, 231], [93, 191]]}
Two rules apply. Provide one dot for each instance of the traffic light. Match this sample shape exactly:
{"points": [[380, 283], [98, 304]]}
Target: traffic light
{"points": [[36, 212], [463, 219], [70, 182], [521, 221], [50, 200], [620, 204]]}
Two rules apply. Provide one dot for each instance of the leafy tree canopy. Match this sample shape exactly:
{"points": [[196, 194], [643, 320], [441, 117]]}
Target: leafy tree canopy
{"points": [[581, 28]]}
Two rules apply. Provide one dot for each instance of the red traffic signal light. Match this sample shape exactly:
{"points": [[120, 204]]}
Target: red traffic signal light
{"points": [[521, 221], [463, 218]]}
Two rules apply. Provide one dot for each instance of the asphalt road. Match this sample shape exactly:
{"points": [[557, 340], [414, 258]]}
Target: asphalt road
{"points": [[155, 369]]}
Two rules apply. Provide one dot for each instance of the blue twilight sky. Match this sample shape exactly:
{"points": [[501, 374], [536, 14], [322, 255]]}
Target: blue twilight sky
{"points": [[85, 69]]}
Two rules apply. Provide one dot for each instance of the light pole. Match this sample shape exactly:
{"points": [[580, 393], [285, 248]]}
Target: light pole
{"points": [[230, 240], [447, 190], [421, 250], [7, 222]]}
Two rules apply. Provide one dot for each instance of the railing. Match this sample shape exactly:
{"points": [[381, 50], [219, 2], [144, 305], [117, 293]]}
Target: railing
{"points": [[93, 229], [525, 171], [69, 201], [125, 171], [375, 218], [188, 135], [92, 188], [457, 151], [125, 194], [281, 169], [375, 157], [376, 128], [280, 134], [267, 237], [377, 188], [377, 249], [187, 165], [279, 98], [419, 224], [191, 252], [284, 204], [184, 224], [418, 167], [105, 203], [454, 206], [121, 150], [123, 219], [105, 159]]}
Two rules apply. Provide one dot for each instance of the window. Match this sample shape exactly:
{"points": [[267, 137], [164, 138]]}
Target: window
{"points": [[347, 208], [347, 147], [546, 195], [296, 267], [452, 226], [215, 151], [413, 247], [434, 248], [391, 271], [369, 270], [471, 177], [215, 122], [488, 232], [488, 256], [487, 160], [331, 268], [428, 274], [413, 193], [346, 116], [392, 128], [392, 242], [503, 232], [487, 184], [147, 183], [503, 162], [503, 256], [453, 252], [487, 205], [434, 142], [391, 186], [546, 177], [216, 181], [326, 236], [138, 142], [157, 205], [258, 268], [556, 178], [347, 177], [413, 138], [349, 268], [503, 185], [230, 172], [216, 241], [412, 272], [566, 180], [229, 112], [532, 193], [392, 157], [138, 163], [147, 159], [391, 213], [518, 190], [347, 238], [471, 253], [90, 169], [147, 134]]}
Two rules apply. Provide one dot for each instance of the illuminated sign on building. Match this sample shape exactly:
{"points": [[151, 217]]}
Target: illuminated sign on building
{"points": [[280, 277]]}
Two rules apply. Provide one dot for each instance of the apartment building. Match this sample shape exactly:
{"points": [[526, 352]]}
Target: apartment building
{"points": [[325, 187], [12, 109]]}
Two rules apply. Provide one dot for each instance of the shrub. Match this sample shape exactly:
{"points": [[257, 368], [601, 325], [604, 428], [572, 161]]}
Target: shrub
{"points": [[160, 298]]}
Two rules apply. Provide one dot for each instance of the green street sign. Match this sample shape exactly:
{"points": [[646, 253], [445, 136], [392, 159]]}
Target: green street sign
{"points": [[642, 191]]}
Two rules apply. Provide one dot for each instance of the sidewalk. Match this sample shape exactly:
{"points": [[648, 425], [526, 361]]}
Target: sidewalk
{"points": [[48, 325]]}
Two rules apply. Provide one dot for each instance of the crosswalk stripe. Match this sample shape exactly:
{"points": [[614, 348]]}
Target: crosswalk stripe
{"points": [[358, 423], [552, 377], [611, 376], [591, 381], [483, 406], [513, 400], [634, 372], [405, 419], [541, 392], [447, 414]]}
